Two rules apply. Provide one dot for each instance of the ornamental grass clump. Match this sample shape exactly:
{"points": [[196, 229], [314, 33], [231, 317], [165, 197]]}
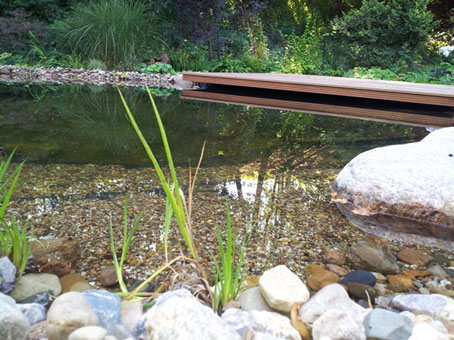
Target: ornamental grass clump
{"points": [[14, 242]]}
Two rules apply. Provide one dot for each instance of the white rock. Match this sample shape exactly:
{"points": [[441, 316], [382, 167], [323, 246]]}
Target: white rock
{"points": [[178, 315], [252, 299], [261, 322], [88, 333], [69, 312], [428, 331], [337, 325], [281, 288], [131, 312], [13, 324], [446, 316], [332, 296]]}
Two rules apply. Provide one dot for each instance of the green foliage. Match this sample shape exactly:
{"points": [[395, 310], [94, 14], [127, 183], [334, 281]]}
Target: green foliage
{"points": [[303, 54], [113, 31], [229, 273], [156, 68], [4, 58], [382, 33], [189, 57], [229, 64], [96, 64], [13, 241]]}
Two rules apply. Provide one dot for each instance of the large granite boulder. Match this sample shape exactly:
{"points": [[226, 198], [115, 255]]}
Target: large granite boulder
{"points": [[403, 192]]}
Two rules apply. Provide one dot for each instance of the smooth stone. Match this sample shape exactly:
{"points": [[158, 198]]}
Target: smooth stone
{"points": [[177, 315], [281, 288], [338, 270], [13, 324], [384, 301], [379, 277], [261, 321], [312, 268], [412, 256], [44, 299], [438, 272], [31, 284], [7, 274], [131, 312], [55, 267], [122, 333], [107, 307], [359, 276], [362, 291], [333, 296], [249, 334], [413, 273], [408, 200], [445, 314], [34, 312], [70, 281], [373, 254], [321, 278], [419, 303], [382, 324], [337, 325], [88, 333], [251, 299], [428, 331], [60, 249], [7, 300], [108, 276], [334, 257], [400, 281], [38, 331], [69, 312]]}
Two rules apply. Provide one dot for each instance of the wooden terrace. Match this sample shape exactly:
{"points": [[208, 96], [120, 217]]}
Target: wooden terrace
{"points": [[432, 94]]}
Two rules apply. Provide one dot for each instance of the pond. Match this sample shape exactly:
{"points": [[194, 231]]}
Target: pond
{"points": [[274, 168]]}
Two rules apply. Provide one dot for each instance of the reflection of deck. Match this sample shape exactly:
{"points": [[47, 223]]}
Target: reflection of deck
{"points": [[381, 115], [350, 87]]}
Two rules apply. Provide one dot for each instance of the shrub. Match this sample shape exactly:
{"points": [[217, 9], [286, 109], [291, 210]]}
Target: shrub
{"points": [[113, 31], [381, 33]]}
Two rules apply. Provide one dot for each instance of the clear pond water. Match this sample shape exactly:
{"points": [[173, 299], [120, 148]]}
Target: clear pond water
{"points": [[275, 167]]}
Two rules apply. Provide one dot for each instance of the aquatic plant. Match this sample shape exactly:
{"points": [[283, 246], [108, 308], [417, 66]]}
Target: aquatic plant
{"points": [[229, 274], [13, 239]]}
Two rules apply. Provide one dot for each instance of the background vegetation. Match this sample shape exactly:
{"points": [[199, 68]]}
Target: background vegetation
{"points": [[386, 39]]}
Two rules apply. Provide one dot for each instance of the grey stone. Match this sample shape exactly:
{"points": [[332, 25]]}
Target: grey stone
{"points": [[34, 312], [69, 312], [438, 272], [7, 299], [180, 316], [446, 316], [333, 296], [429, 331], [419, 303], [13, 324], [107, 307], [252, 299], [261, 321], [337, 325], [7, 275], [281, 288], [382, 324], [373, 254], [31, 284], [88, 333], [131, 312]]}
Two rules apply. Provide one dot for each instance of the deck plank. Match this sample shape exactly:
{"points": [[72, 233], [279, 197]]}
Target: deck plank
{"points": [[432, 94]]}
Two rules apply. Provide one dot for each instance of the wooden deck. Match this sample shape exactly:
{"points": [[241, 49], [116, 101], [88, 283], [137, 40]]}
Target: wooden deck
{"points": [[431, 94], [380, 115]]}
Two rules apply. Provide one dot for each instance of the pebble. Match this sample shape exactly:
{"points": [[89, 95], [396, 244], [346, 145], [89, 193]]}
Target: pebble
{"points": [[7, 275], [13, 324], [251, 299], [413, 273], [88, 333], [359, 276], [429, 331], [384, 324], [321, 278], [362, 291], [34, 312], [55, 267], [131, 312], [337, 325], [416, 257], [400, 282], [108, 276], [338, 270], [74, 282], [107, 307], [30, 284], [419, 303], [281, 288], [334, 257], [438, 272]]}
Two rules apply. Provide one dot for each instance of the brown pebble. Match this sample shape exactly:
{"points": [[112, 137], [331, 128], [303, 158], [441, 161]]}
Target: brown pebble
{"points": [[71, 281], [321, 278], [338, 270], [362, 291], [334, 257], [58, 268], [416, 273], [412, 256], [108, 276], [400, 281], [312, 268]]}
